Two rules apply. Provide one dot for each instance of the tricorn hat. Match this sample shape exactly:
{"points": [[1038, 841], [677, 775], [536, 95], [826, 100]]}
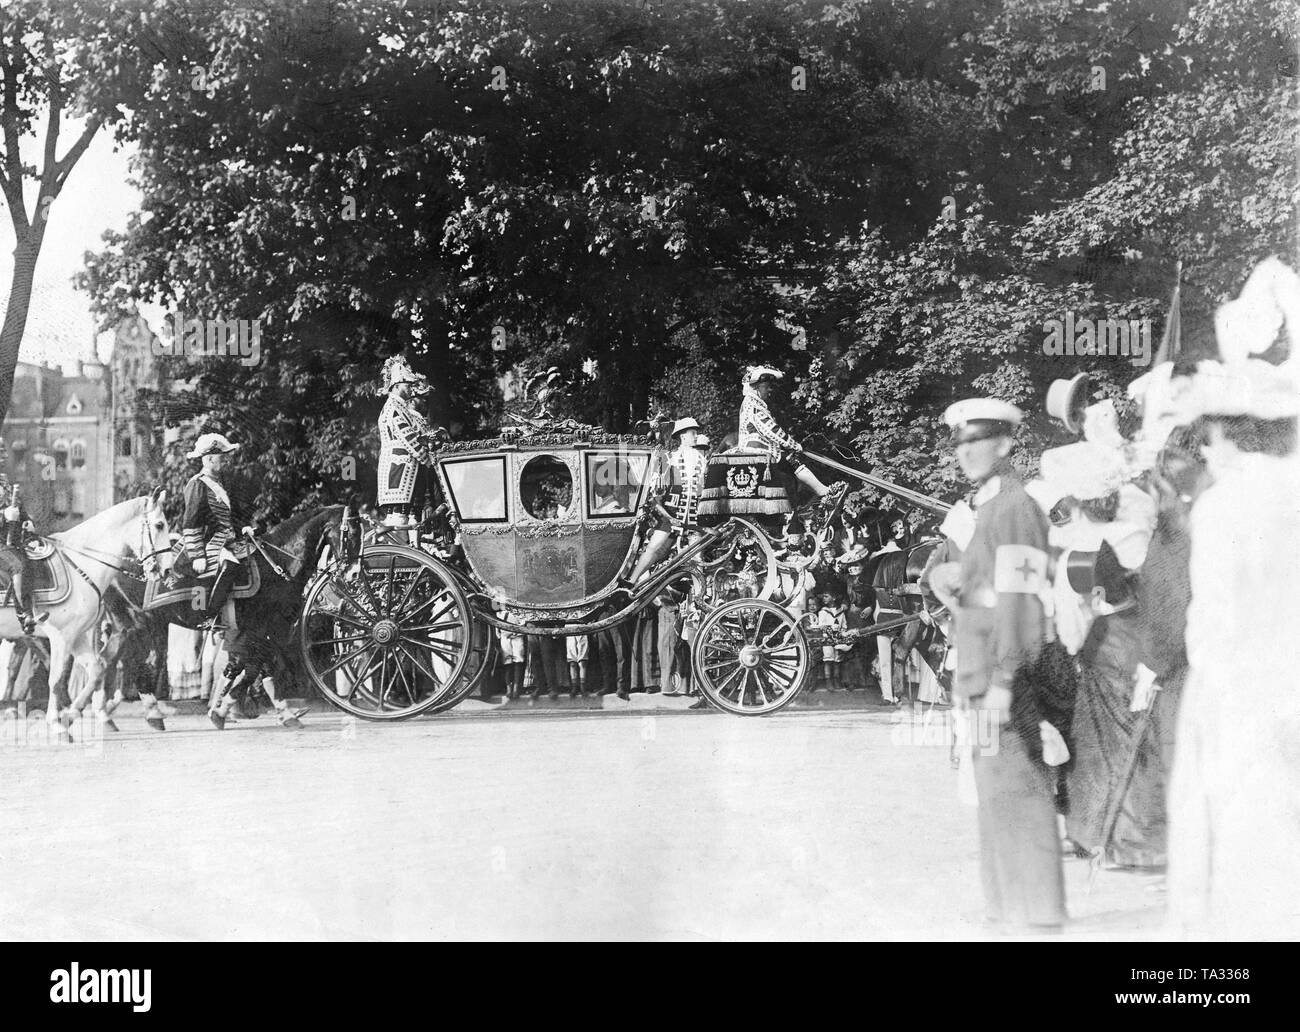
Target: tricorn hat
{"points": [[211, 444], [1067, 399]]}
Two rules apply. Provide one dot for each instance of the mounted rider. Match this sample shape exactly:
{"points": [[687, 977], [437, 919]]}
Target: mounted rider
{"points": [[405, 437], [13, 549], [208, 531], [759, 431]]}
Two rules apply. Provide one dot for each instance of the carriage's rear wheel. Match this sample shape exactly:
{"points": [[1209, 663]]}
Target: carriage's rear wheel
{"points": [[750, 657], [388, 635]]}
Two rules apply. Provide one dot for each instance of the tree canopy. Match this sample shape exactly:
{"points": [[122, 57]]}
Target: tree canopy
{"points": [[887, 199]]}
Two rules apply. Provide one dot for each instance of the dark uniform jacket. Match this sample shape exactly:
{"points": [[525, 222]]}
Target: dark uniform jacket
{"points": [[1000, 628]]}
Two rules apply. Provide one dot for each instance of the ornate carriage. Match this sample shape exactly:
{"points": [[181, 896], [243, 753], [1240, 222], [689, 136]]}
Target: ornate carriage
{"points": [[550, 524]]}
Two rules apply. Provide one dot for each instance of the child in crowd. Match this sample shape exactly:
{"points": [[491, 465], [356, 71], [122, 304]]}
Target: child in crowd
{"points": [[831, 617], [576, 651], [512, 655]]}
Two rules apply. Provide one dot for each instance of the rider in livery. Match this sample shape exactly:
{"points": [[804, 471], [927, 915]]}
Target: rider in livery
{"points": [[404, 438], [208, 526], [13, 553], [759, 432], [680, 482]]}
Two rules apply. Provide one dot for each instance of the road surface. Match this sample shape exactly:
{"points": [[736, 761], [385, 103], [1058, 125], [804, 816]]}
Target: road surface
{"points": [[681, 825]]}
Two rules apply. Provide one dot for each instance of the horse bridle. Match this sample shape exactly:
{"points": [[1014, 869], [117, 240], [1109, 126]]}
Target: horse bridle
{"points": [[148, 554]]}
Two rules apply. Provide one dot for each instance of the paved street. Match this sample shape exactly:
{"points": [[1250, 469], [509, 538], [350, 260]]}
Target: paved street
{"points": [[660, 826]]}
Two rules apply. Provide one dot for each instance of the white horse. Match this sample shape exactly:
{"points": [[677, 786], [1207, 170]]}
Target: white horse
{"points": [[122, 541]]}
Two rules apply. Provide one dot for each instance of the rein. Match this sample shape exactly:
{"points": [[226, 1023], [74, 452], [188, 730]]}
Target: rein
{"points": [[89, 553]]}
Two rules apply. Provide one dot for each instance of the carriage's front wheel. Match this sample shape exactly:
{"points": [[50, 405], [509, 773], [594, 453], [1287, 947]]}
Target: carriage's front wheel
{"points": [[750, 657], [388, 635]]}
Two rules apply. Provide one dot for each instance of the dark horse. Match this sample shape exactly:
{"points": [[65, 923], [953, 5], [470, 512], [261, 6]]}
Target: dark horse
{"points": [[265, 620], [893, 580]]}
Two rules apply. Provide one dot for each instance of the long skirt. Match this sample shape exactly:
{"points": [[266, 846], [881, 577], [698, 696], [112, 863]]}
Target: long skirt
{"points": [[1020, 852], [1234, 805], [1104, 736]]}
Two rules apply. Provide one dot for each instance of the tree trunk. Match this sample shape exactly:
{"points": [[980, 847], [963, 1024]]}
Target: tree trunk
{"points": [[11, 334]]}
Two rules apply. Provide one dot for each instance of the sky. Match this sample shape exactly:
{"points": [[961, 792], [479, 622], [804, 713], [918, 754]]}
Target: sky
{"points": [[95, 198]]}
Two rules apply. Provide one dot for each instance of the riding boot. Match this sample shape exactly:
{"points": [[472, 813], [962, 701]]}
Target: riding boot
{"points": [[23, 607]]}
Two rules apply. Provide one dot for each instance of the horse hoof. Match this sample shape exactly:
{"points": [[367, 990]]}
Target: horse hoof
{"points": [[108, 724], [218, 721], [156, 723], [301, 712], [291, 721]]}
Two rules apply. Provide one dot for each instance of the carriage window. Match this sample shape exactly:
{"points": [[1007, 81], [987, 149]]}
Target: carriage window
{"points": [[478, 487], [546, 488], [614, 482]]}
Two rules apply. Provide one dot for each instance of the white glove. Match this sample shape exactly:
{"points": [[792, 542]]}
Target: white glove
{"points": [[29, 526], [248, 532], [1144, 691], [1055, 751], [12, 513], [200, 565]]}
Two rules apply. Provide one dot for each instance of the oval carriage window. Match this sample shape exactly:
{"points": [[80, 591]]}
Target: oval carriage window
{"points": [[546, 488]]}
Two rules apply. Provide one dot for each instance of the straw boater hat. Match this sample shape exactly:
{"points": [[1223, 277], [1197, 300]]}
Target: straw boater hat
{"points": [[211, 444], [976, 419]]}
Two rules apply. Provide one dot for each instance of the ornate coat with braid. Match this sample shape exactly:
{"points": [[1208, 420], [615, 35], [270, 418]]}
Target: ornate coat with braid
{"points": [[211, 521], [759, 430], [402, 436]]}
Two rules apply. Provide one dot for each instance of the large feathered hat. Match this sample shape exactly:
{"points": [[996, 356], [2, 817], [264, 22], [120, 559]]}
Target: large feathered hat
{"points": [[398, 370], [756, 374]]}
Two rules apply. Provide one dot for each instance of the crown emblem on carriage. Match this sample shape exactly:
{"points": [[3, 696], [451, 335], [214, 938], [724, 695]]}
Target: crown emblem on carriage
{"points": [[742, 481]]}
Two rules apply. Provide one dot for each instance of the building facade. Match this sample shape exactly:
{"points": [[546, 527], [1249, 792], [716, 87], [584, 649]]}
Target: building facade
{"points": [[77, 443]]}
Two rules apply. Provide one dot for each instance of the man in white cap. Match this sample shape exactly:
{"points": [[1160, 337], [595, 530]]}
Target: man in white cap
{"points": [[405, 440], [208, 525], [681, 480], [759, 431], [1000, 630]]}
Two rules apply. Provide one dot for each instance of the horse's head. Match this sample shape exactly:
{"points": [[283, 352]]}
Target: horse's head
{"points": [[155, 535]]}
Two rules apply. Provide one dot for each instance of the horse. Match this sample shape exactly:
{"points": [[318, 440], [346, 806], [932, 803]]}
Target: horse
{"points": [[266, 619], [96, 553], [894, 578]]}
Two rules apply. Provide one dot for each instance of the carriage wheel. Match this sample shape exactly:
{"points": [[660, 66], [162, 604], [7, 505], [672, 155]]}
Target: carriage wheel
{"points": [[476, 668], [388, 635], [750, 657]]}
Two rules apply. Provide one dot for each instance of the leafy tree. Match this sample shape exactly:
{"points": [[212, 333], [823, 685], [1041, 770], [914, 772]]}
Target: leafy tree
{"points": [[50, 53]]}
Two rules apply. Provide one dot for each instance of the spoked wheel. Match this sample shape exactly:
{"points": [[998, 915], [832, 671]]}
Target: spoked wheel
{"points": [[477, 667], [750, 657], [387, 636]]}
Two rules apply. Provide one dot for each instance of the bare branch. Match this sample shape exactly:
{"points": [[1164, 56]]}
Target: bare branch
{"points": [[66, 163]]}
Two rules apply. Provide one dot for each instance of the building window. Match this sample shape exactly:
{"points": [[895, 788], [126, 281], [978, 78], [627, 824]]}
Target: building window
{"points": [[124, 446], [78, 453], [60, 454]]}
